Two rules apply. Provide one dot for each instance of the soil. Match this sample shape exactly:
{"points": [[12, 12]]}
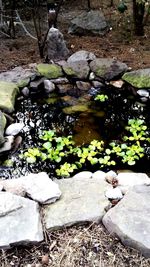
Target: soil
{"points": [[88, 245]]}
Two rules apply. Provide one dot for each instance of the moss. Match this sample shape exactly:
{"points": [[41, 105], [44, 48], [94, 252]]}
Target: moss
{"points": [[69, 71], [8, 92], [138, 79], [50, 71], [100, 71]]}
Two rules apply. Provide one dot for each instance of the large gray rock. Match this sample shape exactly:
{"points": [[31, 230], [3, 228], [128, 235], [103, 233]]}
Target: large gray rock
{"points": [[18, 75], [19, 221], [92, 22], [138, 78], [130, 219], [82, 200], [2, 127], [56, 46], [107, 68], [78, 69], [81, 55], [8, 92]]}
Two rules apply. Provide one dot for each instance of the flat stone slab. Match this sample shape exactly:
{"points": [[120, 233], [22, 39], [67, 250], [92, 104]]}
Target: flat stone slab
{"points": [[19, 221], [130, 219], [50, 71], [138, 78], [8, 92], [18, 75], [83, 200]]}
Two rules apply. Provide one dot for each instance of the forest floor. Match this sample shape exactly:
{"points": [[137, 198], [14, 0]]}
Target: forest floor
{"points": [[88, 245]]}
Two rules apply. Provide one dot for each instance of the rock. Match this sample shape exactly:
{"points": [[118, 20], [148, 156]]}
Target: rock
{"points": [[107, 68], [18, 75], [64, 88], [129, 219], [114, 193], [117, 84], [19, 221], [99, 174], [41, 188], [50, 71], [14, 186], [138, 78], [37, 85], [81, 55], [97, 84], [92, 22], [77, 69], [83, 174], [76, 109], [82, 201], [25, 91], [8, 144], [143, 93], [14, 128], [128, 180], [48, 86], [2, 127], [8, 93], [55, 45], [109, 176], [83, 86], [60, 81]]}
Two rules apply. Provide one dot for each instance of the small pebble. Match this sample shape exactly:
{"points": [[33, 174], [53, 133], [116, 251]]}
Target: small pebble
{"points": [[114, 193], [14, 128], [45, 259], [110, 176]]}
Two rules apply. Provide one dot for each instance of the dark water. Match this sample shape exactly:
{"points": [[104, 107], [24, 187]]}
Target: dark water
{"points": [[104, 121]]}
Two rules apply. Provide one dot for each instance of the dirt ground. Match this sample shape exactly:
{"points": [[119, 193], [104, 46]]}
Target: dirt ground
{"points": [[88, 245]]}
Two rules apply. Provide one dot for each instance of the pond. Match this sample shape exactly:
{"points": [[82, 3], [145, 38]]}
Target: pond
{"points": [[84, 119]]}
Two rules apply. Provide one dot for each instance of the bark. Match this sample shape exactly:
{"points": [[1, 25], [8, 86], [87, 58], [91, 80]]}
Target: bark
{"points": [[138, 17]]}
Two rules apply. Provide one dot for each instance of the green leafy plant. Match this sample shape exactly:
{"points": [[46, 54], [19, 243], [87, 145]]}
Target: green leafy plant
{"points": [[101, 98]]}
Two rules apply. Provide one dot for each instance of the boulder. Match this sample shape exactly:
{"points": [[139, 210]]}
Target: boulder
{"points": [[50, 71], [81, 55], [82, 201], [138, 78], [56, 46], [7, 144], [130, 220], [107, 68], [20, 222], [78, 69], [18, 75], [2, 127], [8, 92], [92, 22]]}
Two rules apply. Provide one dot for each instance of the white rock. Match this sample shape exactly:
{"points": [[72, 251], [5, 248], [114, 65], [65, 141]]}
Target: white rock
{"points": [[143, 93], [83, 174], [8, 144], [114, 193], [49, 86], [41, 188], [109, 176], [99, 174], [131, 179], [14, 128]]}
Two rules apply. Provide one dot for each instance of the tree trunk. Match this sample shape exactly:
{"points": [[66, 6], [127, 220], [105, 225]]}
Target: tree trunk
{"points": [[138, 16]]}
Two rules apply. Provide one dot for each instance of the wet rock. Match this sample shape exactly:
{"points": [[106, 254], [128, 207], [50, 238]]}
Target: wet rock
{"points": [[114, 193], [83, 86], [48, 86], [56, 46], [2, 127], [143, 93], [78, 69], [8, 144], [107, 68], [138, 78], [129, 219], [16, 144], [50, 71], [81, 55], [8, 93], [14, 128], [19, 221], [82, 201], [18, 75], [92, 22]]}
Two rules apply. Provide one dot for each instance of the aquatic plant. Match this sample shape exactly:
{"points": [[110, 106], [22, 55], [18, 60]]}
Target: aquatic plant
{"points": [[101, 97]]}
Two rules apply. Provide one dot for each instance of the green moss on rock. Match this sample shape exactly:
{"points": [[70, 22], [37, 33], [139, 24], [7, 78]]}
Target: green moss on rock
{"points": [[50, 71], [8, 92], [139, 78]]}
